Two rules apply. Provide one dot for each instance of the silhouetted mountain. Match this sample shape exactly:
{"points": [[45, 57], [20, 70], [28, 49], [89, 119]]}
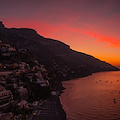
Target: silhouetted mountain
{"points": [[1, 25], [55, 55]]}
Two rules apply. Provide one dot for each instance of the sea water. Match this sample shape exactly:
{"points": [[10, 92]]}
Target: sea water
{"points": [[96, 97]]}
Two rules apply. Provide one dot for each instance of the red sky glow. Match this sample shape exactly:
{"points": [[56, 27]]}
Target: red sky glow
{"points": [[89, 26]]}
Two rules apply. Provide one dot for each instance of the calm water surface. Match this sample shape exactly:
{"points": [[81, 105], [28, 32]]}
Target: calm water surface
{"points": [[96, 97]]}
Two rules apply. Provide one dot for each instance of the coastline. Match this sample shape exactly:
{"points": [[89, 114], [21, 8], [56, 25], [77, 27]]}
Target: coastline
{"points": [[51, 109], [73, 79], [86, 75], [61, 110], [70, 98]]}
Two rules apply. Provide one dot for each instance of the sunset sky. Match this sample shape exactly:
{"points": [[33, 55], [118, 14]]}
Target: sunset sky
{"points": [[89, 26]]}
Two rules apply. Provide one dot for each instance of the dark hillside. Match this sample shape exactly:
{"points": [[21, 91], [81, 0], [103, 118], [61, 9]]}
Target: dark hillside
{"points": [[55, 55]]}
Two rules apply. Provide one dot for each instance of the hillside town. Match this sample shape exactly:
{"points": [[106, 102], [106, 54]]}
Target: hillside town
{"points": [[24, 83]]}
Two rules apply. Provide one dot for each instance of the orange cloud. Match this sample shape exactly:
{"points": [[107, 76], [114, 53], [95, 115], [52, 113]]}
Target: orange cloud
{"points": [[112, 42], [49, 30], [81, 39]]}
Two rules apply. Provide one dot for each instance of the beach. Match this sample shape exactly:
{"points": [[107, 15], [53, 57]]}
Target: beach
{"points": [[51, 109]]}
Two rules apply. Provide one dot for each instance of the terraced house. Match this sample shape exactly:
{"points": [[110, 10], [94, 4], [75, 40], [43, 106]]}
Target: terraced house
{"points": [[6, 98]]}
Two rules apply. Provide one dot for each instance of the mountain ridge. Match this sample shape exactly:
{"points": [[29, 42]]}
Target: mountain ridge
{"points": [[54, 54]]}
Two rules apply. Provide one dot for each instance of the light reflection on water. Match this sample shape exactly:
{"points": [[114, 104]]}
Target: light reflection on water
{"points": [[96, 97]]}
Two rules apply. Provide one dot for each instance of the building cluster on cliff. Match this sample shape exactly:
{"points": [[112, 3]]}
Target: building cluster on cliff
{"points": [[22, 83]]}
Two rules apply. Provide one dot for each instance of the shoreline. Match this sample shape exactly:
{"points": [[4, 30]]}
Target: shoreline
{"points": [[86, 75], [51, 109], [77, 78], [61, 110], [109, 80]]}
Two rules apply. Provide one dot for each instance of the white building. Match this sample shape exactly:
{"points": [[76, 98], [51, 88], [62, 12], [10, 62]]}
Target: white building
{"points": [[39, 75], [23, 104]]}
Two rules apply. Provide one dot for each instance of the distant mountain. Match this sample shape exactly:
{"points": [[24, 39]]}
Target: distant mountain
{"points": [[55, 55]]}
